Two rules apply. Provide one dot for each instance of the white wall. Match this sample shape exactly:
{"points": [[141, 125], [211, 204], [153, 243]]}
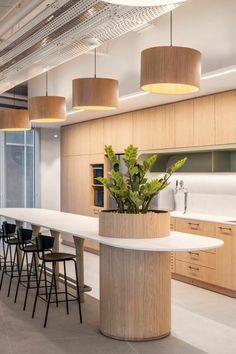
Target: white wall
{"points": [[50, 168], [208, 193]]}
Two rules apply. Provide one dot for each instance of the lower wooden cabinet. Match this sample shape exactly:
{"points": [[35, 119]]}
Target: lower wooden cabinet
{"points": [[226, 256], [195, 271], [199, 258], [216, 268]]}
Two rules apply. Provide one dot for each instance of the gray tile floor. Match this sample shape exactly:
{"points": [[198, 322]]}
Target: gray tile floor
{"points": [[202, 322]]}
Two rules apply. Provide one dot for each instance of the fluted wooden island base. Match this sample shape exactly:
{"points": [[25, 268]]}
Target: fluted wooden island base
{"points": [[135, 294]]}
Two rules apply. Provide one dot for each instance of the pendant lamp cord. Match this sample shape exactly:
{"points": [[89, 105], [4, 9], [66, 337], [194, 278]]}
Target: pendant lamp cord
{"points": [[46, 83], [171, 28], [95, 63]]}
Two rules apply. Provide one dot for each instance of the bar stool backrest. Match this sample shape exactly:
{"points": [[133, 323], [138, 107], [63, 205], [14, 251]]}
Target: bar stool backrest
{"points": [[24, 236], [44, 243], [8, 229]]}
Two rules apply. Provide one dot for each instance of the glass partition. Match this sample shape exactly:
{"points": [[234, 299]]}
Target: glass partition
{"points": [[17, 161]]}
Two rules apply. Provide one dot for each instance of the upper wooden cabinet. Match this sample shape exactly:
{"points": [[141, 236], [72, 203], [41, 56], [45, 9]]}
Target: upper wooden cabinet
{"points": [[118, 131], [184, 124], [75, 139], [96, 139], [225, 113], [153, 128], [204, 121]]}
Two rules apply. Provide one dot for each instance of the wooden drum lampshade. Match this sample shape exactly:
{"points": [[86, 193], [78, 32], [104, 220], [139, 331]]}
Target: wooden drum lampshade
{"points": [[14, 120], [47, 109], [95, 93], [170, 70]]}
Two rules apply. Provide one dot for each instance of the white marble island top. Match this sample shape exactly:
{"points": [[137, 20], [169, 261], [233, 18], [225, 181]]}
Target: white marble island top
{"points": [[231, 220], [86, 227]]}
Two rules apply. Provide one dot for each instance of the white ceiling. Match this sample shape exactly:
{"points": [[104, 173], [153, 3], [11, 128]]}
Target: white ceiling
{"points": [[47, 33], [207, 25]]}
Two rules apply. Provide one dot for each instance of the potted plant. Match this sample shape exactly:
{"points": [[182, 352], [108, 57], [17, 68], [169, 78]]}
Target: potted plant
{"points": [[133, 193]]}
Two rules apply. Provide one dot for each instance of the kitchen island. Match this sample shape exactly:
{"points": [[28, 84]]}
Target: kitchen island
{"points": [[135, 281]]}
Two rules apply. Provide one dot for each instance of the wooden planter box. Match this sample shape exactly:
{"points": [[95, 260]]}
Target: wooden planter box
{"points": [[151, 225]]}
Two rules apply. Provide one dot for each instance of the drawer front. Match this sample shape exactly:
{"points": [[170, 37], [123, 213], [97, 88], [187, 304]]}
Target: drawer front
{"points": [[194, 271], [225, 230], [196, 227], [172, 223], [196, 257], [172, 262]]}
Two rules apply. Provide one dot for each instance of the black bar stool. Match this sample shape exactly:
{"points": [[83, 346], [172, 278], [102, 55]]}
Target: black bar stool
{"points": [[9, 237], [27, 247], [44, 243]]}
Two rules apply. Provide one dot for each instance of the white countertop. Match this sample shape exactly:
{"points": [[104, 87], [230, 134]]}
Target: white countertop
{"points": [[87, 227], [205, 217]]}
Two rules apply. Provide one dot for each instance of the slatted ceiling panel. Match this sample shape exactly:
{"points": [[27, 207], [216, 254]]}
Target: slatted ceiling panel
{"points": [[57, 35]]}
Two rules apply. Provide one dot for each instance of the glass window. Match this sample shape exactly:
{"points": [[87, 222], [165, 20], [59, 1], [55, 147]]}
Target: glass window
{"points": [[19, 169]]}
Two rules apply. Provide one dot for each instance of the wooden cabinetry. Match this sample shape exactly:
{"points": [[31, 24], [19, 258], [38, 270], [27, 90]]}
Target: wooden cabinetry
{"points": [[154, 128], [226, 256], [225, 112], [215, 268], [196, 227], [96, 138], [207, 275], [172, 255], [204, 121], [118, 131], [184, 124]]}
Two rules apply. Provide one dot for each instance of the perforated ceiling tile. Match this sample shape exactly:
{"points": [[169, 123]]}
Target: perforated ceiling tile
{"points": [[57, 35]]}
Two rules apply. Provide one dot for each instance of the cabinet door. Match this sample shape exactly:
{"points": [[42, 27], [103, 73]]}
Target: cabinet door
{"points": [[225, 113], [226, 256], [204, 121], [143, 128], [70, 187], [184, 124], [163, 130], [96, 139], [153, 128], [118, 131]]}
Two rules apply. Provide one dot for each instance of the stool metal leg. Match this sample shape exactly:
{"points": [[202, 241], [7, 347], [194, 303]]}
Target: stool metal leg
{"points": [[78, 291], [55, 281], [4, 267], [49, 296], [28, 279], [37, 291], [12, 269], [66, 292], [19, 278]]}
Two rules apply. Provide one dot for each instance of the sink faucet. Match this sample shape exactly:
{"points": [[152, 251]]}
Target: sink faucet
{"points": [[185, 201]]}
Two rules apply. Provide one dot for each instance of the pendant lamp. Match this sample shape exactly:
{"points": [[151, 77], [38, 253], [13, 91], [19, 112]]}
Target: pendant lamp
{"points": [[144, 3], [14, 119], [170, 69], [47, 109], [95, 93]]}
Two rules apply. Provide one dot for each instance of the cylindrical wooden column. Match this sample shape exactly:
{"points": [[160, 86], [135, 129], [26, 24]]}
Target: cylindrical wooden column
{"points": [[135, 294]]}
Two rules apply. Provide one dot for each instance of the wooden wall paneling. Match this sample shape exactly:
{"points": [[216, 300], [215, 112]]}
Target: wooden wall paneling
{"points": [[96, 138], [204, 121], [225, 113], [184, 124], [70, 188], [143, 128], [163, 128], [118, 131]]}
